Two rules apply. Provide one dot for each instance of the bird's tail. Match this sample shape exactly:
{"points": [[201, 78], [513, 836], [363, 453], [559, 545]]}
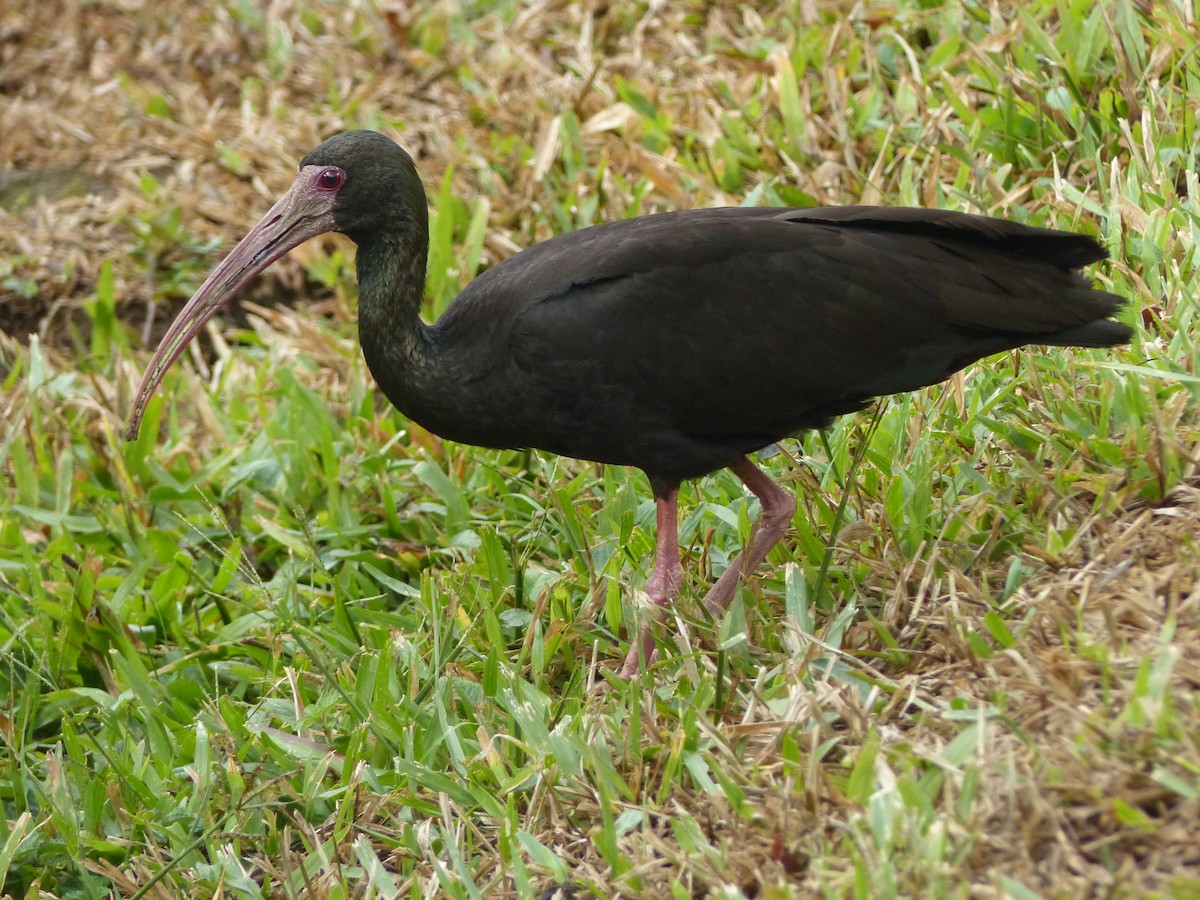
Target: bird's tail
{"points": [[1101, 333]]}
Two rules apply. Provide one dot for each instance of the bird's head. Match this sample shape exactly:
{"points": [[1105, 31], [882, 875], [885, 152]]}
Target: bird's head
{"points": [[373, 185], [359, 183]]}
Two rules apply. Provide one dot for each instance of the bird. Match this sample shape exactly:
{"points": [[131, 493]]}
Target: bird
{"points": [[678, 343]]}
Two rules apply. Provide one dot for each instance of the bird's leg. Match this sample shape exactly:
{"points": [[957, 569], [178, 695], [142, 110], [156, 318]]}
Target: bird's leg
{"points": [[778, 507], [663, 583]]}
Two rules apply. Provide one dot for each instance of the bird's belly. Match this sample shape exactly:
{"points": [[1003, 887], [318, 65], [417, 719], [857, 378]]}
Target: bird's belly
{"points": [[592, 427]]}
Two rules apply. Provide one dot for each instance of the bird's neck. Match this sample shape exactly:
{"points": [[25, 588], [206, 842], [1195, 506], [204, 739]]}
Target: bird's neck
{"points": [[391, 280], [399, 348]]}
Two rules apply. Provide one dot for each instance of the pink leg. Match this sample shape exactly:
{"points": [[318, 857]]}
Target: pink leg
{"points": [[663, 583], [778, 507]]}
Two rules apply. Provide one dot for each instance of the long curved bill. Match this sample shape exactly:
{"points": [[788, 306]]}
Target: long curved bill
{"points": [[302, 213]]}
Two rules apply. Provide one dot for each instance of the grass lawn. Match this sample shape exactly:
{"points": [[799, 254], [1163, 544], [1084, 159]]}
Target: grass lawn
{"points": [[290, 644]]}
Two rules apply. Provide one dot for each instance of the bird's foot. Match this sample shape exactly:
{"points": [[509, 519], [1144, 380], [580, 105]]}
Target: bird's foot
{"points": [[643, 649]]}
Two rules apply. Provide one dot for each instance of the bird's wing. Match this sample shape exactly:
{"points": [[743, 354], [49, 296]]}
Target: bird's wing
{"points": [[736, 327]]}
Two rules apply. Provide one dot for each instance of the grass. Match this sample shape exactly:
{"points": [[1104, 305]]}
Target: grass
{"points": [[290, 644]]}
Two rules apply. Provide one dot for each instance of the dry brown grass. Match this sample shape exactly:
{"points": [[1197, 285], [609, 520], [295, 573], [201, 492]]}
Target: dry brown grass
{"points": [[78, 80]]}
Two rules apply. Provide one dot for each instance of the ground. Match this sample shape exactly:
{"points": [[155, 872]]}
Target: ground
{"points": [[290, 644]]}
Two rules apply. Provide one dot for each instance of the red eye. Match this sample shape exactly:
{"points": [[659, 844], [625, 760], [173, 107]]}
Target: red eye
{"points": [[331, 179]]}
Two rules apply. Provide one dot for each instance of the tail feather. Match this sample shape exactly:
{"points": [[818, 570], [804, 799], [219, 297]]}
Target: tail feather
{"points": [[1101, 333]]}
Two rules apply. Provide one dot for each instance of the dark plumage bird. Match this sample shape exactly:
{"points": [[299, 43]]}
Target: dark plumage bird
{"points": [[677, 343]]}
